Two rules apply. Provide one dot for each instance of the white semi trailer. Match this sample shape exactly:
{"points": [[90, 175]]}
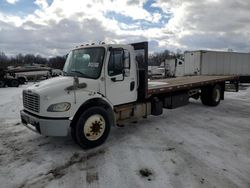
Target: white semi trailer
{"points": [[217, 63], [105, 85]]}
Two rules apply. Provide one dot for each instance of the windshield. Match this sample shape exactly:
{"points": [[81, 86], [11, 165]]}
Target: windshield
{"points": [[86, 62]]}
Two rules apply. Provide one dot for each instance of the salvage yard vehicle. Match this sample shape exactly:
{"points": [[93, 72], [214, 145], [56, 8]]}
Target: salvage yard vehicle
{"points": [[8, 80], [106, 84]]}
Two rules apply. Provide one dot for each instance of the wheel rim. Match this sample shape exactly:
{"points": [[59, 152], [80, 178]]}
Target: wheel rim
{"points": [[216, 95], [94, 127]]}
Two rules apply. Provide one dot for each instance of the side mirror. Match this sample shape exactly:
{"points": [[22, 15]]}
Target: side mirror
{"points": [[118, 78], [66, 56], [110, 49]]}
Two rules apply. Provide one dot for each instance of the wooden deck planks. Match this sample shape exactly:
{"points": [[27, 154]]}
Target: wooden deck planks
{"points": [[172, 84]]}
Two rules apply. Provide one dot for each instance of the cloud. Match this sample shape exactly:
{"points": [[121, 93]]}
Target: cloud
{"points": [[64, 24], [12, 1], [55, 28], [209, 24], [42, 3]]}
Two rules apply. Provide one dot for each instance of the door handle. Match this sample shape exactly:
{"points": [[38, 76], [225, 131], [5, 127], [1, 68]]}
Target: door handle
{"points": [[132, 85]]}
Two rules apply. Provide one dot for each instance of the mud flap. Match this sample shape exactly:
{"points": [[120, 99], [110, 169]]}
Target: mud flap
{"points": [[156, 107]]}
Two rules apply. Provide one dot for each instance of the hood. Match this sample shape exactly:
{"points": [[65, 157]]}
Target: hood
{"points": [[57, 82]]}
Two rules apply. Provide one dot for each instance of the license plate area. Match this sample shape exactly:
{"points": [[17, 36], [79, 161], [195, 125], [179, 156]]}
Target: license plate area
{"points": [[28, 120]]}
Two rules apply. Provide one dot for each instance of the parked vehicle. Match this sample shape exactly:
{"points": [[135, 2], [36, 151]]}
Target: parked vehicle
{"points": [[156, 72], [218, 63], [169, 68], [7, 80], [105, 85], [23, 74], [174, 67], [21, 78], [56, 72]]}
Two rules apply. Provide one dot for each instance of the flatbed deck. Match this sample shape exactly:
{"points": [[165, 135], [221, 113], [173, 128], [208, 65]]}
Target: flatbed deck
{"points": [[185, 82]]}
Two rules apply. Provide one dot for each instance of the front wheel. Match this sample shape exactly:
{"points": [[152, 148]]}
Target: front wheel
{"points": [[92, 128]]}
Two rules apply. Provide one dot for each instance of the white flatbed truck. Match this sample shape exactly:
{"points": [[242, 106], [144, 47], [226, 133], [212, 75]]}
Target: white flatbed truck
{"points": [[105, 85]]}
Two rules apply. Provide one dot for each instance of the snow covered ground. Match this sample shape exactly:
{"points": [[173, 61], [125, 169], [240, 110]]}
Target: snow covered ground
{"points": [[193, 146]]}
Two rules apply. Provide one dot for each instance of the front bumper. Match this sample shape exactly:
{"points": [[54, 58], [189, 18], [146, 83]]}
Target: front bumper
{"points": [[46, 126]]}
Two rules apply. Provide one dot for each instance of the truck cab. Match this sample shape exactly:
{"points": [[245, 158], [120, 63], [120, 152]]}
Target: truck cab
{"points": [[106, 70]]}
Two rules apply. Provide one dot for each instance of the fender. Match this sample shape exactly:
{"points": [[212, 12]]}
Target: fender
{"points": [[94, 102]]}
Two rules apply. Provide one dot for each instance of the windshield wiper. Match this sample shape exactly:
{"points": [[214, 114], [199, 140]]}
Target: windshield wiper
{"points": [[82, 74]]}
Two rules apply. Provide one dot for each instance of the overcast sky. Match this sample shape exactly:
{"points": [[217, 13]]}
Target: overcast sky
{"points": [[53, 27]]}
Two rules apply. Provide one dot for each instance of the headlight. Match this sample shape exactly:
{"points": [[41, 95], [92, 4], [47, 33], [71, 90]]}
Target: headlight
{"points": [[59, 107]]}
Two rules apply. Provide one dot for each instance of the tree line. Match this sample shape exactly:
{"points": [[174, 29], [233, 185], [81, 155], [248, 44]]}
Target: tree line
{"points": [[30, 59], [156, 59], [58, 62]]}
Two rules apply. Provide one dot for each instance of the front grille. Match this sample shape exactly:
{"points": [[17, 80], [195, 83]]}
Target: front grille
{"points": [[31, 101]]}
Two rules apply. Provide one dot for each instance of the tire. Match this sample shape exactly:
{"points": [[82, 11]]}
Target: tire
{"points": [[2, 83], [92, 127], [13, 83], [21, 80], [211, 96], [73, 134]]}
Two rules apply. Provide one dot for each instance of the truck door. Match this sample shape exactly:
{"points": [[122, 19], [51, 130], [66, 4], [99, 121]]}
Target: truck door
{"points": [[121, 84]]}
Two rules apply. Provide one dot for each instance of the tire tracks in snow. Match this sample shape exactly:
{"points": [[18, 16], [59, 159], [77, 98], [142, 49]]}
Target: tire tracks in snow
{"points": [[43, 179]]}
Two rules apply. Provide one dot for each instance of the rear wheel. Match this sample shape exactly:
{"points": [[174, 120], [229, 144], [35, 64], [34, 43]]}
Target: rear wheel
{"points": [[92, 127], [211, 96], [13, 83]]}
